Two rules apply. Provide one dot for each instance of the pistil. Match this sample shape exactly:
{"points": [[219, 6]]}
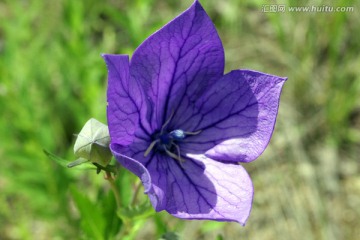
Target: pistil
{"points": [[165, 141]]}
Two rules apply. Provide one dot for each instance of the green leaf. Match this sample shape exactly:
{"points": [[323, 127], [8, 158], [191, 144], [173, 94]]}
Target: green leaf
{"points": [[132, 229], [142, 211], [59, 160], [65, 163], [219, 237], [169, 236], [108, 205], [77, 162], [92, 221]]}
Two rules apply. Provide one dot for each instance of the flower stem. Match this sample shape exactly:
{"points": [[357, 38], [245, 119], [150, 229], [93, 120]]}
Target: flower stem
{"points": [[111, 180], [136, 193]]}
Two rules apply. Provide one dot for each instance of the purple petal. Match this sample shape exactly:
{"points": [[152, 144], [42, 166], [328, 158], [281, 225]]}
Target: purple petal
{"points": [[132, 165], [177, 63], [124, 102], [202, 188], [199, 188], [132, 158], [236, 116]]}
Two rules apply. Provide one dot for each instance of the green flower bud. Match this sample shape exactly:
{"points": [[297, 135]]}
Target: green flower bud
{"points": [[92, 143]]}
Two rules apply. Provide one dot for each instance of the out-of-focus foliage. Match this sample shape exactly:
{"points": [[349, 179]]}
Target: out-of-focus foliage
{"points": [[52, 79]]}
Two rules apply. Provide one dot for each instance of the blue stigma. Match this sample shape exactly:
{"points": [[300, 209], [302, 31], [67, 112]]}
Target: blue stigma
{"points": [[167, 140], [178, 134]]}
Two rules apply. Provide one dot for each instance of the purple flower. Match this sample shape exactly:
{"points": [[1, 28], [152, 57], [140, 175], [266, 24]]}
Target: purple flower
{"points": [[182, 126]]}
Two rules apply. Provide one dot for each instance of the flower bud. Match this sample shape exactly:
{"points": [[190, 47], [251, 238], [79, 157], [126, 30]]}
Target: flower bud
{"points": [[92, 143]]}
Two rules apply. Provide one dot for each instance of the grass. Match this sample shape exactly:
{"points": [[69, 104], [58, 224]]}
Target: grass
{"points": [[52, 79]]}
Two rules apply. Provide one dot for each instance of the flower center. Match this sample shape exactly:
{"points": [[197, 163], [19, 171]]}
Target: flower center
{"points": [[168, 142]]}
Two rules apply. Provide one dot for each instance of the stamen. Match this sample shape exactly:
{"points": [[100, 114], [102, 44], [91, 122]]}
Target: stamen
{"points": [[167, 121], [193, 133], [174, 156], [178, 152], [181, 161], [152, 145], [166, 140]]}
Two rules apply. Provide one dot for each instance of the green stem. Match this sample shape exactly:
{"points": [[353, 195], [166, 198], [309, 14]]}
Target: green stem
{"points": [[109, 168], [114, 189], [136, 193]]}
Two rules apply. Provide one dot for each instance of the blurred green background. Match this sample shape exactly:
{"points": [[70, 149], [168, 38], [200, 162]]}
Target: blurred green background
{"points": [[52, 79]]}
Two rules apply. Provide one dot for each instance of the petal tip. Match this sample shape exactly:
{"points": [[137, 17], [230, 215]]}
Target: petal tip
{"points": [[104, 55], [109, 55]]}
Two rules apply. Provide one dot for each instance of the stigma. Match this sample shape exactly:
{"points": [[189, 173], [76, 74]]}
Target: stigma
{"points": [[178, 134], [168, 142]]}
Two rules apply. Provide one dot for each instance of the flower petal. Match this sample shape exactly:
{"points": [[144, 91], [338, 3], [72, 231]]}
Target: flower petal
{"points": [[236, 117], [178, 62], [124, 102], [199, 188], [132, 165]]}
